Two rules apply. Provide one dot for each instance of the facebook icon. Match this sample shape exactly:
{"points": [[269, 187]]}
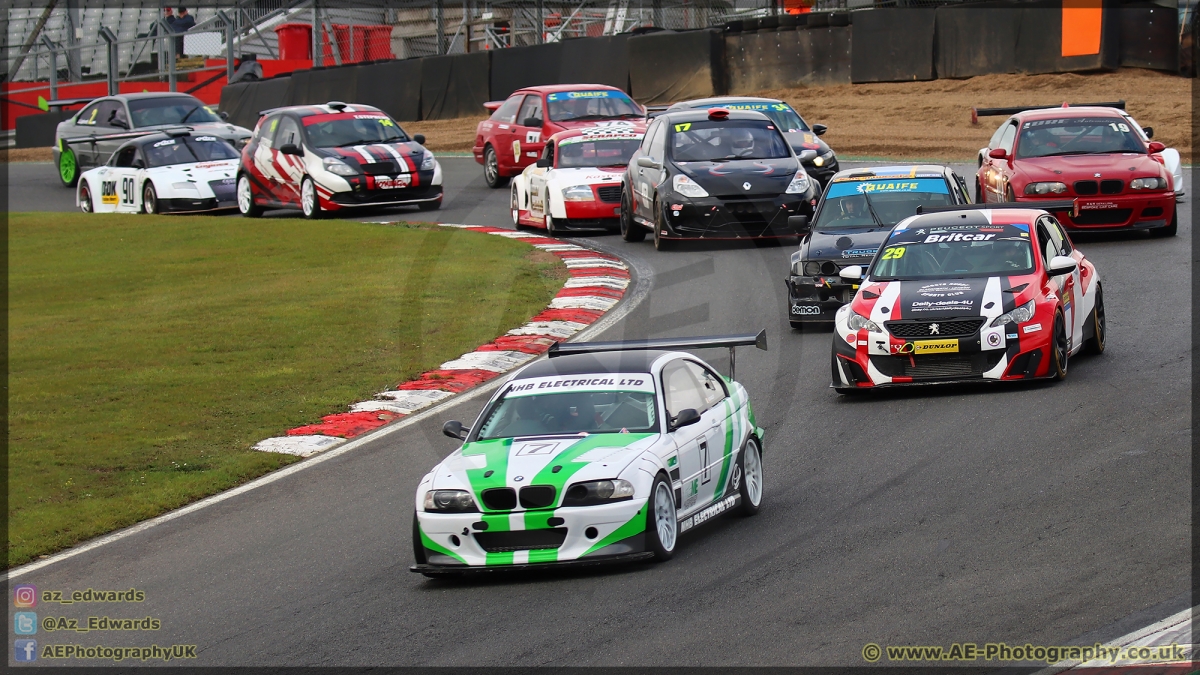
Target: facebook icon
{"points": [[25, 650]]}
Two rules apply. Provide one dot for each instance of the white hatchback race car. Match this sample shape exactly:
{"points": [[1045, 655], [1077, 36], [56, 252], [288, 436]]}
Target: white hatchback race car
{"points": [[576, 184], [177, 171], [604, 452]]}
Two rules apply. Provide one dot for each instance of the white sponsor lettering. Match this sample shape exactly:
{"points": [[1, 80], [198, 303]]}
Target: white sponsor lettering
{"points": [[1033, 327], [710, 512], [957, 236], [806, 309]]}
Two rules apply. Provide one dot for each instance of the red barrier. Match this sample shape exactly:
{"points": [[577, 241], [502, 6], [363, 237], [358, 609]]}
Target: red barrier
{"points": [[576, 315], [449, 380], [347, 425], [590, 291], [529, 344]]}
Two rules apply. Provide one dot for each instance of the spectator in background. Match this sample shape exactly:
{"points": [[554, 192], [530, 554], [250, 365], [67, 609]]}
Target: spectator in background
{"points": [[181, 24]]}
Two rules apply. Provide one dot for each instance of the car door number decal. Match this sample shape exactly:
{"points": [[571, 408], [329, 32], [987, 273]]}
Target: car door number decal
{"points": [[705, 472], [533, 137], [516, 151], [127, 190]]}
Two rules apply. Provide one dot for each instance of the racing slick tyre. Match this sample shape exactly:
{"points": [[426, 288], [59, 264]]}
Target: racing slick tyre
{"points": [[430, 206], [310, 202], [85, 199], [245, 198], [149, 198], [660, 243], [513, 206], [1095, 344], [1059, 351], [630, 231], [491, 169], [68, 168], [551, 229], [1170, 230], [747, 477], [662, 522]]}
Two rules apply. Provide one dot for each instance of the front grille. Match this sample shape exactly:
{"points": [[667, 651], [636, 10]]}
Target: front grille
{"points": [[1086, 187], [938, 366], [500, 499], [537, 496], [942, 329], [521, 540], [1102, 217], [379, 168], [1111, 187], [610, 194], [225, 189]]}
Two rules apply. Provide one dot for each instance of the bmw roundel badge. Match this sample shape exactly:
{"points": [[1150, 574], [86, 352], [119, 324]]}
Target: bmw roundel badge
{"points": [[746, 185]]}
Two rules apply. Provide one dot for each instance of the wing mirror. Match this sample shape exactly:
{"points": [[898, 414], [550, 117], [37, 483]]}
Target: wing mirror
{"points": [[1149, 131], [685, 417], [531, 122], [998, 153], [799, 224], [851, 273], [139, 164], [1060, 264], [454, 429], [543, 163], [648, 163], [291, 149], [223, 115], [419, 138], [1155, 146], [820, 129]]}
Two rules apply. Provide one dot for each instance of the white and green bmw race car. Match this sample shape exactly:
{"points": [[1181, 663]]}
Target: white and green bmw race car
{"points": [[604, 452]]}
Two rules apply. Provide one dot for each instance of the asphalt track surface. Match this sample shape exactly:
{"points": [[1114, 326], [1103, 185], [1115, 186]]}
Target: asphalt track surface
{"points": [[1041, 513]]}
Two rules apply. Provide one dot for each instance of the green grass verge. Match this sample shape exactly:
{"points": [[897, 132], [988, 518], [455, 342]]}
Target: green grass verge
{"points": [[147, 354]]}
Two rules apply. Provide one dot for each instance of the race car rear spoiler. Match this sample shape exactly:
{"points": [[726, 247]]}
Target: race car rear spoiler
{"points": [[703, 342], [65, 102], [170, 131], [1055, 205], [976, 113], [653, 111]]}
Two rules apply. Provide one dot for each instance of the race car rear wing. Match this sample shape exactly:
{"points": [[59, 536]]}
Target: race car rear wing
{"points": [[976, 113], [1050, 206], [702, 342], [653, 111], [170, 131], [66, 102], [493, 106]]}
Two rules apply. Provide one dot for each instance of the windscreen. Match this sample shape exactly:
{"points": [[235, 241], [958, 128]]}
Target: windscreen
{"points": [[149, 112], [607, 403], [611, 150], [1077, 136], [337, 130], [726, 140], [879, 202], [188, 150], [953, 252], [601, 104], [787, 119]]}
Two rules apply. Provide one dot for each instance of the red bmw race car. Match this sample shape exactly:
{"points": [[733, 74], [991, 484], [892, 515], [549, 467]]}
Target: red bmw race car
{"points": [[576, 184], [1092, 155], [513, 137], [968, 293]]}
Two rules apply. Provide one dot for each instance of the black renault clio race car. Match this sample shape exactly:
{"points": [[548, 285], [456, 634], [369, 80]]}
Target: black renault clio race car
{"points": [[714, 174], [853, 219]]}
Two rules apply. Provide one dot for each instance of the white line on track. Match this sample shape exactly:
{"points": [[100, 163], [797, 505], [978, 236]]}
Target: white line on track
{"points": [[644, 277]]}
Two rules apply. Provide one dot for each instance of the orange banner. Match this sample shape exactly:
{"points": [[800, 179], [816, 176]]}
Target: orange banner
{"points": [[1081, 21]]}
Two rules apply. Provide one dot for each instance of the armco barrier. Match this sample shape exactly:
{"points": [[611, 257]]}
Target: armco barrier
{"points": [[320, 85], [37, 131], [771, 60], [976, 40], [243, 101], [1149, 37], [519, 67], [454, 86], [393, 87], [1039, 45], [893, 45], [599, 60], [676, 66]]}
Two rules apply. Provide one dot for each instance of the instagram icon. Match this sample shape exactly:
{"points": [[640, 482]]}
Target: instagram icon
{"points": [[25, 595]]}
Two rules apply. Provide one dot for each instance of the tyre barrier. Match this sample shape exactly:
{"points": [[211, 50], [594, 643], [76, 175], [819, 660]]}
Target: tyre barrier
{"points": [[596, 283]]}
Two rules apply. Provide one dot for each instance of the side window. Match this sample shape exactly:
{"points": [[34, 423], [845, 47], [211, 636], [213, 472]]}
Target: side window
{"points": [[1006, 139], [995, 142], [711, 387], [109, 111], [89, 115], [119, 117], [1046, 246], [548, 153], [680, 389], [124, 156], [288, 132], [1058, 236], [649, 136], [507, 112], [962, 187], [266, 130], [531, 108], [658, 144]]}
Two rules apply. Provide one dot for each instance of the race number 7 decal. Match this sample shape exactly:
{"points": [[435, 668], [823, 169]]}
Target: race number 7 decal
{"points": [[705, 474]]}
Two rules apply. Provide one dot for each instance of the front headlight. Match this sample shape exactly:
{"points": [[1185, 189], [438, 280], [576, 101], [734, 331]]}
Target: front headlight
{"points": [[578, 193], [858, 321], [1018, 315], [799, 184], [823, 159], [1148, 184], [450, 501], [241, 143], [598, 492], [185, 186], [1045, 188], [687, 187], [338, 167], [427, 163]]}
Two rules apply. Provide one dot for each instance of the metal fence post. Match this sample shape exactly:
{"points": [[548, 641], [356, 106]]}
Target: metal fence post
{"points": [[53, 67], [440, 18], [541, 24], [165, 28], [111, 41], [229, 28], [316, 36]]}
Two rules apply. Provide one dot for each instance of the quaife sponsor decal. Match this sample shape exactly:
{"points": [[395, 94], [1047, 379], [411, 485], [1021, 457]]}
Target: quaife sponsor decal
{"points": [[710, 512]]}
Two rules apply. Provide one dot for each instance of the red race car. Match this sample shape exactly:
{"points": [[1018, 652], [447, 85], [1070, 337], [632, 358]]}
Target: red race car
{"points": [[513, 137], [1090, 155]]}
